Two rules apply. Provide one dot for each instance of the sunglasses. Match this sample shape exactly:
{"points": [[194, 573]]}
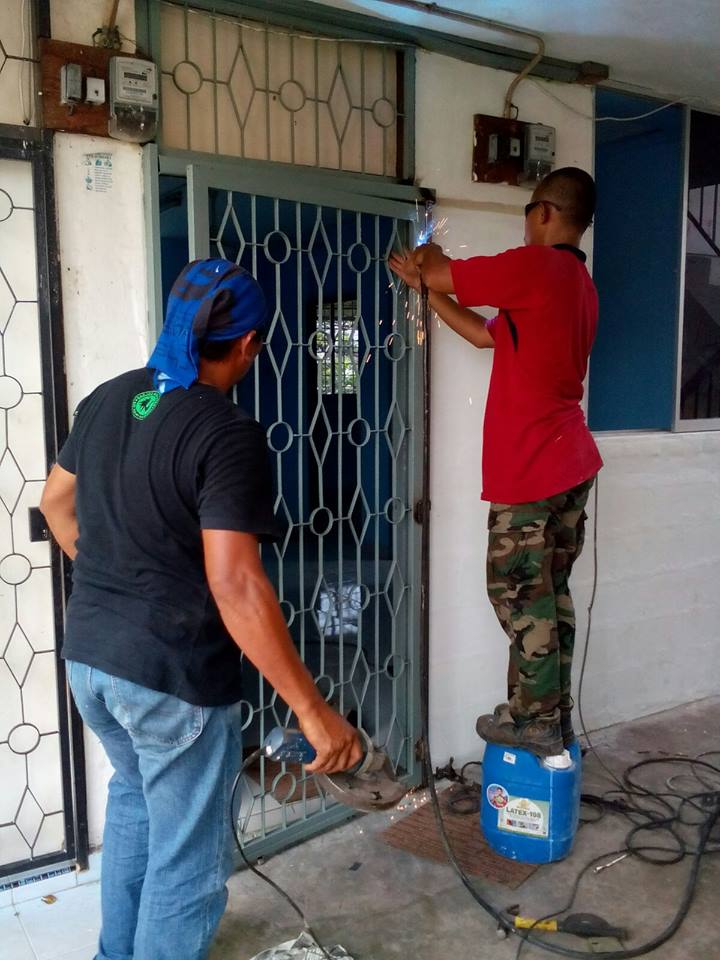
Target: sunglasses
{"points": [[536, 203]]}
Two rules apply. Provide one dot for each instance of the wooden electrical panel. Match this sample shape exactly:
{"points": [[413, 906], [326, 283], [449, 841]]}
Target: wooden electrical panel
{"points": [[498, 149], [81, 117]]}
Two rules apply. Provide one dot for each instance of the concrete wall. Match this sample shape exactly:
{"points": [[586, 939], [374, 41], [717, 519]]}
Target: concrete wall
{"points": [[653, 639], [104, 288]]}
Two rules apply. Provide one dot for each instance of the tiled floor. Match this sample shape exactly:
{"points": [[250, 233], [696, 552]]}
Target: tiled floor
{"points": [[64, 930], [386, 904]]}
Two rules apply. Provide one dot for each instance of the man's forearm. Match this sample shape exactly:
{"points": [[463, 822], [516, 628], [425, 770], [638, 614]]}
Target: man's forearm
{"points": [[64, 528], [57, 505], [466, 323], [253, 617]]}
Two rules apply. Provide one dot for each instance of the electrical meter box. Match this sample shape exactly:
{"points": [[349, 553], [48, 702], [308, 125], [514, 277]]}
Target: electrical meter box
{"points": [[133, 99], [511, 151], [498, 149], [539, 152]]}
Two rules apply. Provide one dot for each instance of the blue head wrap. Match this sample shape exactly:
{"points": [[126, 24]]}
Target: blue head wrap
{"points": [[210, 300]]}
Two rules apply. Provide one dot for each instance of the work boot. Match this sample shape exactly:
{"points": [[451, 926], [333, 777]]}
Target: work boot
{"points": [[502, 714], [538, 735]]}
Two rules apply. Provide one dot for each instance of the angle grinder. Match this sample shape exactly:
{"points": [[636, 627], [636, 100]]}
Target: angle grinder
{"points": [[369, 786]]}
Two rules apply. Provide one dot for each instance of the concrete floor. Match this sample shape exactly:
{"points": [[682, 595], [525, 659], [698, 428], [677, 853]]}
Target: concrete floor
{"points": [[396, 905]]}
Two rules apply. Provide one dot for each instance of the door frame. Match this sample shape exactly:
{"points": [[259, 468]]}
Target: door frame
{"points": [[36, 147], [335, 189]]}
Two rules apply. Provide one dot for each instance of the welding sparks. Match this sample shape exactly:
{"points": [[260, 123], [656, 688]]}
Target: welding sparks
{"points": [[432, 230]]}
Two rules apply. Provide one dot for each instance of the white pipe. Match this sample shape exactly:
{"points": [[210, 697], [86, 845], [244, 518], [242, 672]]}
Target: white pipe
{"points": [[436, 10]]}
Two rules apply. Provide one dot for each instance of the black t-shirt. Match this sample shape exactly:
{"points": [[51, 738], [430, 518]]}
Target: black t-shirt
{"points": [[151, 474]]}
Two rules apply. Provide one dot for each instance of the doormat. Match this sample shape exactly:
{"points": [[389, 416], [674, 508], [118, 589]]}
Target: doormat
{"points": [[418, 833]]}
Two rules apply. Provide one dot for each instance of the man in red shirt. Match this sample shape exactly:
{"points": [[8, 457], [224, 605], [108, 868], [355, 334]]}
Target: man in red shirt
{"points": [[539, 458]]}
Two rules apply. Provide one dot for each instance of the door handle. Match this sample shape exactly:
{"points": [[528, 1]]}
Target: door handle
{"points": [[38, 526]]}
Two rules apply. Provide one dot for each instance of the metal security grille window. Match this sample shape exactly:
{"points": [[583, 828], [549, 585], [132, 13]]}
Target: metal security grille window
{"points": [[247, 89], [36, 794]]}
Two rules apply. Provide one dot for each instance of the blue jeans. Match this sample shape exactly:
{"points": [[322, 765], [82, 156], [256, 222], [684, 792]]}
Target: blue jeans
{"points": [[167, 841]]}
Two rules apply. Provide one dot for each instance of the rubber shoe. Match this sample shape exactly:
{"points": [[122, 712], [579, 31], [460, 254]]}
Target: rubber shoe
{"points": [[541, 735]]}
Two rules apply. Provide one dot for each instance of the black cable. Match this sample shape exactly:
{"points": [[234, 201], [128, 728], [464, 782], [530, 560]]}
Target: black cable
{"points": [[586, 648], [573, 895], [258, 873]]}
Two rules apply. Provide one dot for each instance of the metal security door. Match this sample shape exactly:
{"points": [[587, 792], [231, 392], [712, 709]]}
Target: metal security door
{"points": [[336, 388], [37, 815]]}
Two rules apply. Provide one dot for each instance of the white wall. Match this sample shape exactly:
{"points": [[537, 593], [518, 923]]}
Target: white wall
{"points": [[104, 291], [104, 288], [75, 21], [102, 251], [653, 640]]}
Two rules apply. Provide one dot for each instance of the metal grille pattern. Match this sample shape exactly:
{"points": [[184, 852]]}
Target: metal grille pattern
{"points": [[343, 458], [32, 819], [250, 90]]}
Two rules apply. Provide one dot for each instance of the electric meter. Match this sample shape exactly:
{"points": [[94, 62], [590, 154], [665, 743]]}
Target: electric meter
{"points": [[133, 99], [539, 152]]}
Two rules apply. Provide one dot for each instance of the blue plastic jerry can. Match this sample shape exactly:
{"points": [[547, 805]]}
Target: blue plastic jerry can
{"points": [[530, 806]]}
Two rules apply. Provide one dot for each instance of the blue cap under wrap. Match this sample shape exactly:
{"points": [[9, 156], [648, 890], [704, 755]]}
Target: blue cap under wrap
{"points": [[210, 300]]}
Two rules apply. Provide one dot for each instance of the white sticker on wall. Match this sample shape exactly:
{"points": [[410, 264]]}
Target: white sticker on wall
{"points": [[521, 815], [98, 172]]}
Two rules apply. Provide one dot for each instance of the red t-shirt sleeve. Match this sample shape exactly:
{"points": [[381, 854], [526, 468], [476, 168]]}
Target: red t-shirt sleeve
{"points": [[508, 281]]}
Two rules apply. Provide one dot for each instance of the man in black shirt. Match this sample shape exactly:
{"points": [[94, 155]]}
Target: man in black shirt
{"points": [[160, 496]]}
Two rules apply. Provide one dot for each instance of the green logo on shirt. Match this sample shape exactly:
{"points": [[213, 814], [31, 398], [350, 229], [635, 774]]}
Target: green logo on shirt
{"points": [[144, 403]]}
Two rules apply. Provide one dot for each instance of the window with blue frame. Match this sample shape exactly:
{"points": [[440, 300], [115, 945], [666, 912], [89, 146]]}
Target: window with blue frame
{"points": [[700, 354]]}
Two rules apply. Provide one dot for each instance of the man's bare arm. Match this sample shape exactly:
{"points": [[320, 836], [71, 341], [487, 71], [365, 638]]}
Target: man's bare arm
{"points": [[57, 505], [251, 612], [466, 323]]}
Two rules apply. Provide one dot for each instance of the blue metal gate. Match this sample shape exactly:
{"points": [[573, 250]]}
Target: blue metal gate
{"points": [[337, 389]]}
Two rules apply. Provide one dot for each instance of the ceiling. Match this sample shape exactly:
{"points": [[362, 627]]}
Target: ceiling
{"points": [[660, 47]]}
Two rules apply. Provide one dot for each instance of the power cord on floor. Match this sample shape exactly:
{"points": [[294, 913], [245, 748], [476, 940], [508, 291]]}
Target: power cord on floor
{"points": [[258, 873]]}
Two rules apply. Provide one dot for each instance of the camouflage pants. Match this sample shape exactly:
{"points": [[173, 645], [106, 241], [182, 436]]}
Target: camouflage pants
{"points": [[531, 551]]}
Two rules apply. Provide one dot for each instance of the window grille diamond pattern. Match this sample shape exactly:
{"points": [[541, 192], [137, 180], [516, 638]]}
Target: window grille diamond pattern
{"points": [[248, 89], [32, 821]]}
